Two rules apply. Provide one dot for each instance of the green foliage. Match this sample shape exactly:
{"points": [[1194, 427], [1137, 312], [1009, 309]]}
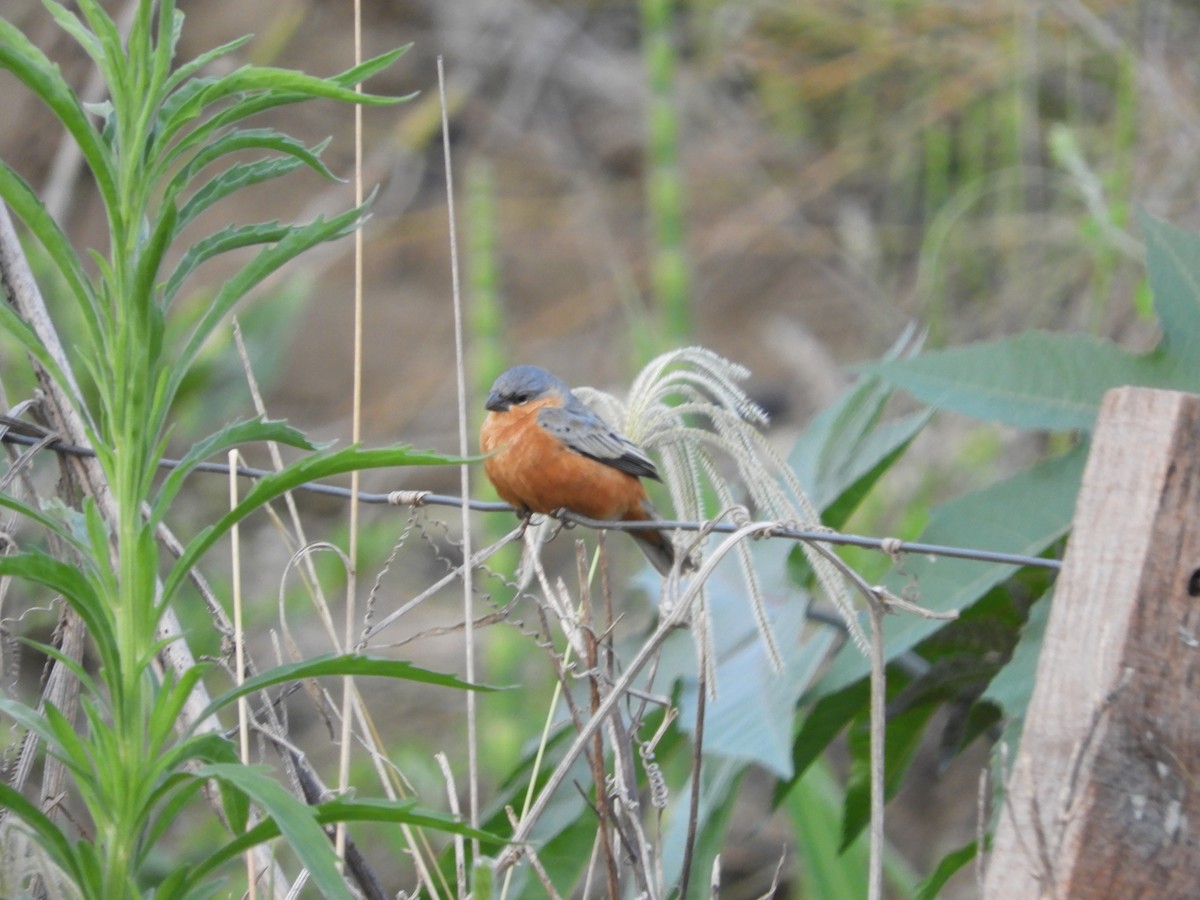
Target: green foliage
{"points": [[1035, 380], [932, 886], [160, 152]]}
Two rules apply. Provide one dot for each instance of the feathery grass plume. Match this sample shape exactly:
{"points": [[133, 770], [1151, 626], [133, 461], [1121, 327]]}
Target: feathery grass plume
{"points": [[688, 406]]}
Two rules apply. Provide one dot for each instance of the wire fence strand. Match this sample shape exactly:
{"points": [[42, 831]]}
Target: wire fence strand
{"points": [[31, 436]]}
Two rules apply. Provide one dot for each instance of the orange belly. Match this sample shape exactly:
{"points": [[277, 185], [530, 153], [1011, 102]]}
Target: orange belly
{"points": [[534, 471]]}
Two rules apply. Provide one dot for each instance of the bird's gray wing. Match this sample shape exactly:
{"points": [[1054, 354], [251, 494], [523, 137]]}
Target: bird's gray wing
{"points": [[586, 433]]}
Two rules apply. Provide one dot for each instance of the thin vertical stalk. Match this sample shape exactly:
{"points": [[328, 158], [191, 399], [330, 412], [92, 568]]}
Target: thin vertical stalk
{"points": [[350, 638], [464, 470]]}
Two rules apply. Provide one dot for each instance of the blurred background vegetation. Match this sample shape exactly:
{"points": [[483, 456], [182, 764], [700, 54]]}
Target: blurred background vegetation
{"points": [[786, 183]]}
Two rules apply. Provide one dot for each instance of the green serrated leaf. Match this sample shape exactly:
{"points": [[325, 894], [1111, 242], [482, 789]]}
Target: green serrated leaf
{"points": [[290, 245], [233, 435], [287, 155], [233, 180], [1034, 380], [313, 468], [232, 237], [21, 57], [334, 664], [258, 88], [77, 590], [28, 207], [188, 69]]}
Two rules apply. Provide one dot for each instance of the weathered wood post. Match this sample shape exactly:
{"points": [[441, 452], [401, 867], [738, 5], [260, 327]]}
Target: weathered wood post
{"points": [[1104, 794]]}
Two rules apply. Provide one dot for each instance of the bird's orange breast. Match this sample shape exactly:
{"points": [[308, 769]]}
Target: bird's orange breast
{"points": [[533, 470]]}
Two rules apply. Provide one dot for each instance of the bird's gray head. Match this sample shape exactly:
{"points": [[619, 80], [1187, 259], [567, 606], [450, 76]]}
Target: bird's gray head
{"points": [[522, 384]]}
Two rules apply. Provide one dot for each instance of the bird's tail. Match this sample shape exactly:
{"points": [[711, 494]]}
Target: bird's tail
{"points": [[658, 546]]}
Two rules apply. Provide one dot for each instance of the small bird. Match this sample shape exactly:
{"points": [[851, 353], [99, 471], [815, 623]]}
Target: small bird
{"points": [[550, 452]]}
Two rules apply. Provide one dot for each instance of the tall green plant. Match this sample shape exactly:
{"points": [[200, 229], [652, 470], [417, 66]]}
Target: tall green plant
{"points": [[160, 153]]}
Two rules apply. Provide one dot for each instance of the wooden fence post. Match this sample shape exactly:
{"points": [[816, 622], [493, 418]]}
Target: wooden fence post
{"points": [[1103, 798]]}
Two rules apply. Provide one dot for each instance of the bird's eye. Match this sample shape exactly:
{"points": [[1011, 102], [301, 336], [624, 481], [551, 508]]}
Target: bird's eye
{"points": [[520, 398]]}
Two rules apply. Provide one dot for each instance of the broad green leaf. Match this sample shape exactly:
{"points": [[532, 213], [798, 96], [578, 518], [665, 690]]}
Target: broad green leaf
{"points": [[1173, 264], [1023, 514], [887, 443], [1012, 687], [828, 716], [1034, 380], [901, 739], [818, 456], [813, 808], [313, 468], [234, 435], [345, 664], [752, 718]]}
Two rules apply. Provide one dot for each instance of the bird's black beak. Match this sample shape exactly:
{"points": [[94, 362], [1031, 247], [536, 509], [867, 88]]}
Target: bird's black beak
{"points": [[496, 403]]}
